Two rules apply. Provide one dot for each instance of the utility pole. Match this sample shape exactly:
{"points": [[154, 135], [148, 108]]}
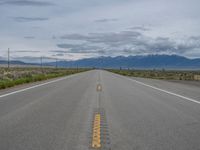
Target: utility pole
{"points": [[8, 58], [56, 63], [41, 62]]}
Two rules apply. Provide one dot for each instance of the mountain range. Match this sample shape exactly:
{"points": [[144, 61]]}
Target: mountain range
{"points": [[136, 62]]}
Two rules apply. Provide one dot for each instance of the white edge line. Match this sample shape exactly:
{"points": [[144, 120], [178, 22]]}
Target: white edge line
{"points": [[35, 86], [165, 91]]}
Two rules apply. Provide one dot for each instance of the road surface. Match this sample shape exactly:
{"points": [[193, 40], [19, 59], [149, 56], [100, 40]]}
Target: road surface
{"points": [[100, 110]]}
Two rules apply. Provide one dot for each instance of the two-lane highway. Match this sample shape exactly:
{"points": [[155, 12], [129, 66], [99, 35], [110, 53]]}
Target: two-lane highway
{"points": [[96, 108]]}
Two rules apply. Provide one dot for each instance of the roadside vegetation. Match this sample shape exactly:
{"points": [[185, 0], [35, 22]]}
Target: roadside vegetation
{"points": [[160, 74], [16, 76]]}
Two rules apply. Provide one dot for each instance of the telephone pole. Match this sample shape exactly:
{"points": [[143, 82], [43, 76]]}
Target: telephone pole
{"points": [[56, 63], [41, 62], [8, 58]]}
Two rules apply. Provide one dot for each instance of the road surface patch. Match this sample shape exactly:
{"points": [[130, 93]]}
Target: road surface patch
{"points": [[165, 91], [162, 90], [36, 86]]}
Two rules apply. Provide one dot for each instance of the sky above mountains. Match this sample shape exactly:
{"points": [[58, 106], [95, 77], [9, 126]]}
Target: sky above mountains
{"points": [[74, 29]]}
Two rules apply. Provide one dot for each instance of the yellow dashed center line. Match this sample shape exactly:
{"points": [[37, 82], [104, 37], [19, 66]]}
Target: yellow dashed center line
{"points": [[96, 135], [99, 87]]}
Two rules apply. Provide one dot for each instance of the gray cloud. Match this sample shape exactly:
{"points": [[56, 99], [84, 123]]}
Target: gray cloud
{"points": [[36, 27], [75, 37], [53, 37], [114, 38], [29, 19], [58, 54], [59, 51], [34, 59], [29, 37], [140, 28], [26, 3], [111, 38], [2, 58], [130, 42], [101, 51], [79, 48], [106, 20], [24, 51]]}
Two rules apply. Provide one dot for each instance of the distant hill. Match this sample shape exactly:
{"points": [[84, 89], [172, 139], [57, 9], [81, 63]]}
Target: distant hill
{"points": [[16, 62], [137, 62], [12, 62]]}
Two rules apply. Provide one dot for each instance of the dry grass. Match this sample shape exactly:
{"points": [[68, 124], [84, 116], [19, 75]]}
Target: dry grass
{"points": [[159, 74], [16, 76]]}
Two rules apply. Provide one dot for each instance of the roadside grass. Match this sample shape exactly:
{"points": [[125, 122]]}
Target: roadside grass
{"points": [[17, 76], [159, 74]]}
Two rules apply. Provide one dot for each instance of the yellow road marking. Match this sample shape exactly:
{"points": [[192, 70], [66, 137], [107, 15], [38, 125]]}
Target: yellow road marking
{"points": [[96, 135], [99, 87]]}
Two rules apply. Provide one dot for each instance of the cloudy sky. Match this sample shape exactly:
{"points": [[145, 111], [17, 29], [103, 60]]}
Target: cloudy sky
{"points": [[75, 29]]}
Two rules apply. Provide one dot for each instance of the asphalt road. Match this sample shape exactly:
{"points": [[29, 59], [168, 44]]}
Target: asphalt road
{"points": [[136, 113]]}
